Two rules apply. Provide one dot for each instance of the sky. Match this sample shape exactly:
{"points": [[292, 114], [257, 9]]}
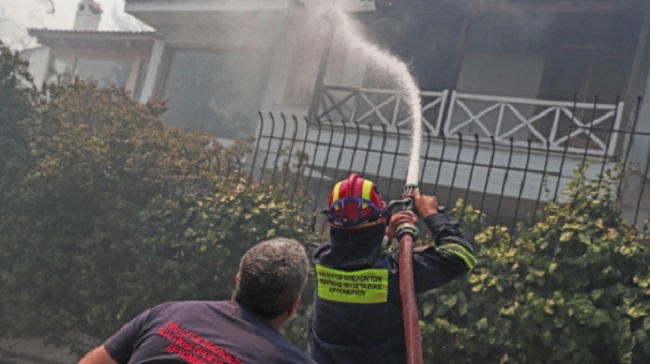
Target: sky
{"points": [[16, 16]]}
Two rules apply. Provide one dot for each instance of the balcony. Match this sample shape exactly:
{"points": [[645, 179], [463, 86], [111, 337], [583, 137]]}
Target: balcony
{"points": [[568, 127], [507, 156]]}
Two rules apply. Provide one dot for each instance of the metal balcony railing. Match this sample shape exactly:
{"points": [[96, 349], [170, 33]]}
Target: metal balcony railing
{"points": [[507, 182]]}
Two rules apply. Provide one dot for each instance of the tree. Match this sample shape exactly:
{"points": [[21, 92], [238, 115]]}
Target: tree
{"points": [[18, 98], [116, 213], [574, 288]]}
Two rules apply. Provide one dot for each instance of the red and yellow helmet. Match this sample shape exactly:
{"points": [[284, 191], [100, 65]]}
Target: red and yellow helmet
{"points": [[355, 203]]}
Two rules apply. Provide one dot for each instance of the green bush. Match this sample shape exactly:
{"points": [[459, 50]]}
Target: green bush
{"points": [[18, 99], [574, 288], [115, 212]]}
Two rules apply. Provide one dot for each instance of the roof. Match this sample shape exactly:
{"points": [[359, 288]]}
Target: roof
{"points": [[40, 31], [99, 38]]}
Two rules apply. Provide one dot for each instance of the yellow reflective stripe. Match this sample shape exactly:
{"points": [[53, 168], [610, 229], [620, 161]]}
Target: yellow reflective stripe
{"points": [[367, 189], [464, 254], [335, 194], [363, 286]]}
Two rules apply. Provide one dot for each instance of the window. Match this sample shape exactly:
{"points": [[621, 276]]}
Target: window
{"points": [[106, 73], [218, 92], [60, 68], [120, 73]]}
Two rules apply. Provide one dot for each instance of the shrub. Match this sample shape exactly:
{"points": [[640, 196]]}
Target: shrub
{"points": [[116, 212], [573, 288]]}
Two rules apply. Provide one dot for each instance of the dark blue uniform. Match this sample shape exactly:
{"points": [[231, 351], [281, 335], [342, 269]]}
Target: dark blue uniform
{"points": [[357, 313], [201, 332]]}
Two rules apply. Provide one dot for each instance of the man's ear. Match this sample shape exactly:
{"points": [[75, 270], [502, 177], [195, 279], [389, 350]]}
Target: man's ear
{"points": [[237, 279], [294, 306]]}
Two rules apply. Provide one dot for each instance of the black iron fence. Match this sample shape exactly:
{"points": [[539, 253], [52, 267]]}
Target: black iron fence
{"points": [[507, 180]]}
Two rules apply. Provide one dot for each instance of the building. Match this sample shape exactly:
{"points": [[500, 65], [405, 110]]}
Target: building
{"points": [[542, 76], [109, 57]]}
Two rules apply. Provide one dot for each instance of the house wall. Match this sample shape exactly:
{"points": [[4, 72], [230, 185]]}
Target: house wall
{"points": [[294, 71], [38, 59], [287, 48]]}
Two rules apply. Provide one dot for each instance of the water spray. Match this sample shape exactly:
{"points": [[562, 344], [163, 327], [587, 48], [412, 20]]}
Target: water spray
{"points": [[400, 72]]}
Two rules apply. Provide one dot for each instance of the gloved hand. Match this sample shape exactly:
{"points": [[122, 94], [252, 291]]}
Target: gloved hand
{"points": [[425, 205], [398, 219]]}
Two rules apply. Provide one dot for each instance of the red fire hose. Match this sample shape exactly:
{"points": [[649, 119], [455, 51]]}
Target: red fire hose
{"points": [[407, 292], [407, 234]]}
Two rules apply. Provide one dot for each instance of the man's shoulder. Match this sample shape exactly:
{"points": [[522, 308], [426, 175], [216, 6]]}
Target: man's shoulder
{"points": [[174, 305], [187, 304], [191, 308]]}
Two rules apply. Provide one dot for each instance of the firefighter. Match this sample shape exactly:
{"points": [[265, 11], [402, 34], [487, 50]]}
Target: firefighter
{"points": [[357, 312]]}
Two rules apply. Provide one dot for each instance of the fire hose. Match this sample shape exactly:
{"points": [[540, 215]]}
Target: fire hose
{"points": [[407, 234]]}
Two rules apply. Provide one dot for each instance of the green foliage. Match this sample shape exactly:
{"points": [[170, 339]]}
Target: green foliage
{"points": [[17, 92], [574, 288], [115, 213], [18, 97]]}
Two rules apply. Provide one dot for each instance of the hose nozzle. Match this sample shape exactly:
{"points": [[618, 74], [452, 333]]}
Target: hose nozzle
{"points": [[409, 190]]}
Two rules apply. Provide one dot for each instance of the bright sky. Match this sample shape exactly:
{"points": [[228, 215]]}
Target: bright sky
{"points": [[18, 15]]}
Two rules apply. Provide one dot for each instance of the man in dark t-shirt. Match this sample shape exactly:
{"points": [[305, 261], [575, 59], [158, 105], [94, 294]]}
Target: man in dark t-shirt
{"points": [[271, 277]]}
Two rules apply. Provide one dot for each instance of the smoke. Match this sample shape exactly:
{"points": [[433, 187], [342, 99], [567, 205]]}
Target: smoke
{"points": [[531, 24], [123, 21]]}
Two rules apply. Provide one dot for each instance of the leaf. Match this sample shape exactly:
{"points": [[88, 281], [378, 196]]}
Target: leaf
{"points": [[636, 312], [546, 338], [642, 281], [596, 293], [600, 317], [584, 238], [427, 307], [566, 236], [449, 300], [482, 323], [548, 307], [508, 311]]}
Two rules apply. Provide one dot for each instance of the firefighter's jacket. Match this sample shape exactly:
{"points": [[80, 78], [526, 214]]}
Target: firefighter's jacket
{"points": [[357, 312]]}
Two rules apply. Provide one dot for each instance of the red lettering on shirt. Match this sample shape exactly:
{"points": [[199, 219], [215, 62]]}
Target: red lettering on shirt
{"points": [[193, 348]]}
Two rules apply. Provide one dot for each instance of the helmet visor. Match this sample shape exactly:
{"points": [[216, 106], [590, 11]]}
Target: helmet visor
{"points": [[363, 212]]}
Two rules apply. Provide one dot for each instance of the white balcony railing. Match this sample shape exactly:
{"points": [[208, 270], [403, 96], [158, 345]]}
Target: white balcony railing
{"points": [[386, 108], [571, 126], [557, 125]]}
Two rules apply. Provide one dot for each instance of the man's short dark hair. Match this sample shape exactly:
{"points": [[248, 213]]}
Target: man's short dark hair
{"points": [[272, 275]]}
